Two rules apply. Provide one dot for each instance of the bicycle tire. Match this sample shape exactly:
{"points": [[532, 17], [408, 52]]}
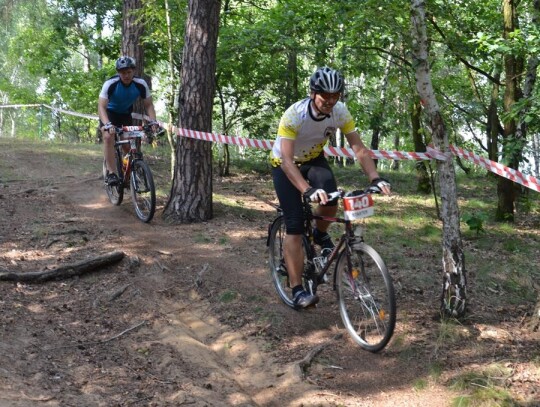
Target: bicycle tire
{"points": [[276, 262], [366, 297], [143, 190], [114, 192]]}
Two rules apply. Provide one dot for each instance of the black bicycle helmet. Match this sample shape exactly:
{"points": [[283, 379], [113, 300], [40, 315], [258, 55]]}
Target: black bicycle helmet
{"points": [[125, 62], [326, 80]]}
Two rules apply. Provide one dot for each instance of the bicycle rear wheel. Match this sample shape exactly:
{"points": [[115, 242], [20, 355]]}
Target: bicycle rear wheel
{"points": [[278, 270], [366, 297], [143, 191], [114, 192]]}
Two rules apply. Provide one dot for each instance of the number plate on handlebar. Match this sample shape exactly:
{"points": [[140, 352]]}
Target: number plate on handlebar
{"points": [[131, 128], [358, 207]]}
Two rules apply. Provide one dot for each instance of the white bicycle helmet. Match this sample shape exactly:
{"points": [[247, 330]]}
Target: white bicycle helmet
{"points": [[125, 62], [326, 80]]}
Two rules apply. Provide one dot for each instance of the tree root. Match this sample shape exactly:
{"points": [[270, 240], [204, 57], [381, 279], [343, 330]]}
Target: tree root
{"points": [[64, 272]]}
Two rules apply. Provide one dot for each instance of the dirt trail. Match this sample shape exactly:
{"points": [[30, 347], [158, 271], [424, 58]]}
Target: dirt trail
{"points": [[189, 317]]}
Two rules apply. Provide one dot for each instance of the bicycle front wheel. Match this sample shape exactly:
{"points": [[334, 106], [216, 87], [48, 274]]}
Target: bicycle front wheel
{"points": [[366, 297], [143, 191], [114, 192]]}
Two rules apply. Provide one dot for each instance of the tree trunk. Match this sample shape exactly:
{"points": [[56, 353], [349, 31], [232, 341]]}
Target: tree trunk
{"points": [[454, 279], [190, 199], [132, 31], [172, 101], [494, 128], [422, 175], [513, 146], [291, 88], [378, 116], [224, 155]]}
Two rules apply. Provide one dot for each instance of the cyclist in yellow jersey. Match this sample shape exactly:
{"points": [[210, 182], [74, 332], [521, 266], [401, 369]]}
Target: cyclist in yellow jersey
{"points": [[300, 168]]}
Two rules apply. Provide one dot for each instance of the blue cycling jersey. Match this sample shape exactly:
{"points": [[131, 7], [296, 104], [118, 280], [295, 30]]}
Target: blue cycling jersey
{"points": [[121, 97]]}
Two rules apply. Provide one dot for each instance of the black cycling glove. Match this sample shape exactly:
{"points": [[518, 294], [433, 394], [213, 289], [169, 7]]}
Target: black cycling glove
{"points": [[312, 194], [379, 183]]}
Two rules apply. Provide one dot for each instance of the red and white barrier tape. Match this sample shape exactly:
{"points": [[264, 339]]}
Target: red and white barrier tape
{"points": [[526, 180]]}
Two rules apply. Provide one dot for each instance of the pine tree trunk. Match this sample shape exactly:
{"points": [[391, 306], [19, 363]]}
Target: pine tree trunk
{"points": [[454, 276], [132, 31], [191, 193]]}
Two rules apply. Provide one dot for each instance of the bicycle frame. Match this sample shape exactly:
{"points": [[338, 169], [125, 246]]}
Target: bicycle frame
{"points": [[133, 136], [347, 236]]}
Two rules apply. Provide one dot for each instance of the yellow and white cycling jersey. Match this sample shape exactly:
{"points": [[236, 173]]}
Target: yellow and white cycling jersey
{"points": [[309, 133]]}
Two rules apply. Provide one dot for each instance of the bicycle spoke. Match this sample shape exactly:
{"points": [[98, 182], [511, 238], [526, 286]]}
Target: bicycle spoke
{"points": [[366, 297], [143, 191]]}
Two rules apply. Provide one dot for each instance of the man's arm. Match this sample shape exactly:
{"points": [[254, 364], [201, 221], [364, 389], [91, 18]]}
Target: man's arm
{"points": [[293, 173], [364, 158], [102, 110], [149, 108], [289, 167]]}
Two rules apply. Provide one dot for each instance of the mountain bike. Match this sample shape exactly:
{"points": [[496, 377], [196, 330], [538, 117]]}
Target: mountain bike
{"points": [[364, 288], [133, 172]]}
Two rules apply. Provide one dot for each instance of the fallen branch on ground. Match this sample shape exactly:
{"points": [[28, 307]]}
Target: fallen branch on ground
{"points": [[199, 280], [305, 363], [67, 271], [125, 331]]}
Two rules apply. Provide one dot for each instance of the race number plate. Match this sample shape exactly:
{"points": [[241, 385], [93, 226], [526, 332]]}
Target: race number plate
{"points": [[358, 207]]}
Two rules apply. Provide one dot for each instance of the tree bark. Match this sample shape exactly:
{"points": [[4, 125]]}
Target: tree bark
{"points": [[494, 128], [512, 145], [378, 116], [132, 31], [422, 175], [190, 199], [454, 276]]}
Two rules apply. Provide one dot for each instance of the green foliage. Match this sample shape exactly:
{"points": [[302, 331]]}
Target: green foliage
{"points": [[475, 221]]}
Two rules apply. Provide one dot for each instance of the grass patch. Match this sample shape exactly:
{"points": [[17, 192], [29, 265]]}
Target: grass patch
{"points": [[420, 384], [484, 387], [228, 296]]}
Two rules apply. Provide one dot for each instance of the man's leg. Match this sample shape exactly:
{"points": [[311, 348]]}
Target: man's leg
{"points": [[294, 258], [329, 211], [108, 150]]}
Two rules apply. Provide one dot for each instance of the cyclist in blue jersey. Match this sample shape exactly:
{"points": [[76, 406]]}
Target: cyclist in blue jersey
{"points": [[300, 168], [115, 105]]}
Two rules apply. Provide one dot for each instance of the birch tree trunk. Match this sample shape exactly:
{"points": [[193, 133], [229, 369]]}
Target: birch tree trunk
{"points": [[190, 199], [454, 293], [422, 175]]}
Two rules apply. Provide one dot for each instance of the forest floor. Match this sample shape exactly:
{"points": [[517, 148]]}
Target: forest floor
{"points": [[189, 317]]}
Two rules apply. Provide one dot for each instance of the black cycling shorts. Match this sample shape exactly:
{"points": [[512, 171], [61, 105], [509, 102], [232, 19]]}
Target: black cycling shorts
{"points": [[319, 175], [118, 119]]}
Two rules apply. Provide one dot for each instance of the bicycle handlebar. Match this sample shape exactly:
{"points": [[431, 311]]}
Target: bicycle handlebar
{"points": [[147, 128], [340, 193]]}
